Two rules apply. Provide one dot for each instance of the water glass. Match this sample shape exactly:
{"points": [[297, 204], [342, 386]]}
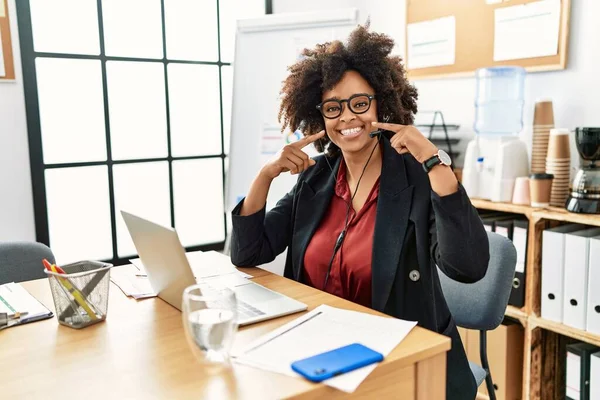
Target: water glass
{"points": [[209, 320]]}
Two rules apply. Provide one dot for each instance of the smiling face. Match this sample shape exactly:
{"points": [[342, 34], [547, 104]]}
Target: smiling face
{"points": [[350, 131]]}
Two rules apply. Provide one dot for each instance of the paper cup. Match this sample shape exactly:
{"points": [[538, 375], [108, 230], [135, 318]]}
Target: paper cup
{"points": [[543, 113], [521, 191], [558, 146], [540, 188]]}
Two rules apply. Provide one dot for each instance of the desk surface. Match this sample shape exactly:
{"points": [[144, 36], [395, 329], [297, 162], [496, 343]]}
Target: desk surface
{"points": [[140, 351]]}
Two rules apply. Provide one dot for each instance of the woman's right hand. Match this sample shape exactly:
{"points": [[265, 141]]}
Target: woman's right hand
{"points": [[291, 158]]}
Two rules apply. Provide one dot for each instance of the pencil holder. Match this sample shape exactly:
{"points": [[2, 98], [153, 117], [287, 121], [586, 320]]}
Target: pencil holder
{"points": [[81, 294]]}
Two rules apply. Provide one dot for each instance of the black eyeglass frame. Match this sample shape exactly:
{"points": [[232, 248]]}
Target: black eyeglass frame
{"points": [[371, 97]]}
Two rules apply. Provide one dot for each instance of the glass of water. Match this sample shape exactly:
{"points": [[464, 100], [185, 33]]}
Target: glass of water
{"points": [[209, 320]]}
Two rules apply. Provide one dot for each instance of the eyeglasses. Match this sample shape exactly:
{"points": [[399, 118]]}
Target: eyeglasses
{"points": [[358, 103]]}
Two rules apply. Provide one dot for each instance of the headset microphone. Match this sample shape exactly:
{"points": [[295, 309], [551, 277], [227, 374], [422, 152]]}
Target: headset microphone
{"points": [[376, 133]]}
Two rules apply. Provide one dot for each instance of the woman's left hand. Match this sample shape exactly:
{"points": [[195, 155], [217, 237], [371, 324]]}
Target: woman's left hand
{"points": [[408, 139]]}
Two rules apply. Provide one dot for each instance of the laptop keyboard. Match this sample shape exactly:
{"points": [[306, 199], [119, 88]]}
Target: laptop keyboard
{"points": [[245, 311]]}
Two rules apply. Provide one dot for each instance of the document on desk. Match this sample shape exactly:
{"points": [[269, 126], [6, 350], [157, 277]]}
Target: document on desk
{"points": [[325, 328], [15, 299], [131, 284], [207, 266]]}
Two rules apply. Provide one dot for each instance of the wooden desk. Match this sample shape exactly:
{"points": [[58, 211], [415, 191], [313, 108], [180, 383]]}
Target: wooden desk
{"points": [[140, 351]]}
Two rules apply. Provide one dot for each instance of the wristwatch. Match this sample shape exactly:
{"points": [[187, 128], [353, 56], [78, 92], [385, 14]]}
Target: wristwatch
{"points": [[441, 157]]}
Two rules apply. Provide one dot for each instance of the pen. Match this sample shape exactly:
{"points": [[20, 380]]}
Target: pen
{"points": [[286, 331], [87, 289]]}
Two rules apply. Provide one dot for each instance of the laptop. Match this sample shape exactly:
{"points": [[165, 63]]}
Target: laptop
{"points": [[169, 273]]}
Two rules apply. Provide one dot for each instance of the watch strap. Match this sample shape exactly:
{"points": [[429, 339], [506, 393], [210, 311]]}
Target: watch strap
{"points": [[431, 162]]}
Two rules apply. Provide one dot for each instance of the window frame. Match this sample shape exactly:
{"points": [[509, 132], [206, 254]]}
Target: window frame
{"points": [[37, 165]]}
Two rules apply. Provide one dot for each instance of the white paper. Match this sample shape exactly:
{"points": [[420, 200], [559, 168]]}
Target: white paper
{"points": [[227, 280], [304, 337], [432, 43], [527, 30], [14, 298], [212, 263], [131, 284], [203, 264], [2, 71]]}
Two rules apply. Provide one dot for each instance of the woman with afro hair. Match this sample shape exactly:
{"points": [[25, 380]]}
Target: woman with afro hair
{"points": [[371, 218]]}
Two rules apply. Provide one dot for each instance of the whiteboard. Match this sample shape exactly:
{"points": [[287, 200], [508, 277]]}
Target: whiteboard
{"points": [[264, 49]]}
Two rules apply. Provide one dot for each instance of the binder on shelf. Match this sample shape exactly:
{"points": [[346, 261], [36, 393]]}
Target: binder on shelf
{"points": [[553, 246], [595, 376], [520, 229], [578, 371], [593, 299], [576, 277]]}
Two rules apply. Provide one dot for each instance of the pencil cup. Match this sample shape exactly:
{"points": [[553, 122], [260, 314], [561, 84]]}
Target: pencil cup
{"points": [[81, 294]]}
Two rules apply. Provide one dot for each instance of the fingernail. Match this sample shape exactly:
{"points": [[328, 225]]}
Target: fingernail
{"points": [[373, 123]]}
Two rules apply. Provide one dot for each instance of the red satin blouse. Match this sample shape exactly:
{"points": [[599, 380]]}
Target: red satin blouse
{"points": [[350, 276]]}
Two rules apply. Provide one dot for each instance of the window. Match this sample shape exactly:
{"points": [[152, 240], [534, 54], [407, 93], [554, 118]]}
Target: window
{"points": [[128, 108]]}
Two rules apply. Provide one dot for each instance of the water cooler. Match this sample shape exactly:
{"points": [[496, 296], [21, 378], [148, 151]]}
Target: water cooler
{"points": [[496, 157]]}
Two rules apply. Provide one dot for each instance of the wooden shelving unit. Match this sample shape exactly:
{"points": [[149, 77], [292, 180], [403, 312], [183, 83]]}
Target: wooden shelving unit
{"points": [[545, 341], [516, 313], [504, 207], [550, 213], [566, 330], [560, 214]]}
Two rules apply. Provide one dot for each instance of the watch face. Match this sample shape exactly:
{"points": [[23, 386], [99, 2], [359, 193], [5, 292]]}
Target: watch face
{"points": [[444, 157]]}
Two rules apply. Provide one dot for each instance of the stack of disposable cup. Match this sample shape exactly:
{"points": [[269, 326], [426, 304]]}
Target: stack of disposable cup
{"points": [[543, 121], [558, 163]]}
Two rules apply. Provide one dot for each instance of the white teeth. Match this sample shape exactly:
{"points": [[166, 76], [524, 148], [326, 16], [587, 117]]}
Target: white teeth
{"points": [[351, 131]]}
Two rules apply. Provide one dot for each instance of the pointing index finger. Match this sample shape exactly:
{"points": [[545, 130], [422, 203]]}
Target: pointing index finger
{"points": [[306, 140], [388, 126]]}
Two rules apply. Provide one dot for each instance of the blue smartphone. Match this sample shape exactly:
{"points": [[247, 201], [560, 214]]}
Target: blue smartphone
{"points": [[335, 362]]}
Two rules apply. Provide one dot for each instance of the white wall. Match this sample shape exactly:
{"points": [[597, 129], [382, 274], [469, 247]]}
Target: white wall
{"points": [[575, 91], [386, 15], [16, 198]]}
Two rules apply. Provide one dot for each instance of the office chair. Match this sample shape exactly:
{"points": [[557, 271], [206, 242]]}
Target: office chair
{"points": [[481, 305], [22, 261]]}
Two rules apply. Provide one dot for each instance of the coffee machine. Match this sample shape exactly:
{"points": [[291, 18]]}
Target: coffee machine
{"points": [[585, 192]]}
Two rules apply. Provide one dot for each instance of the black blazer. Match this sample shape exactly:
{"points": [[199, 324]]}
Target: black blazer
{"points": [[415, 229]]}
